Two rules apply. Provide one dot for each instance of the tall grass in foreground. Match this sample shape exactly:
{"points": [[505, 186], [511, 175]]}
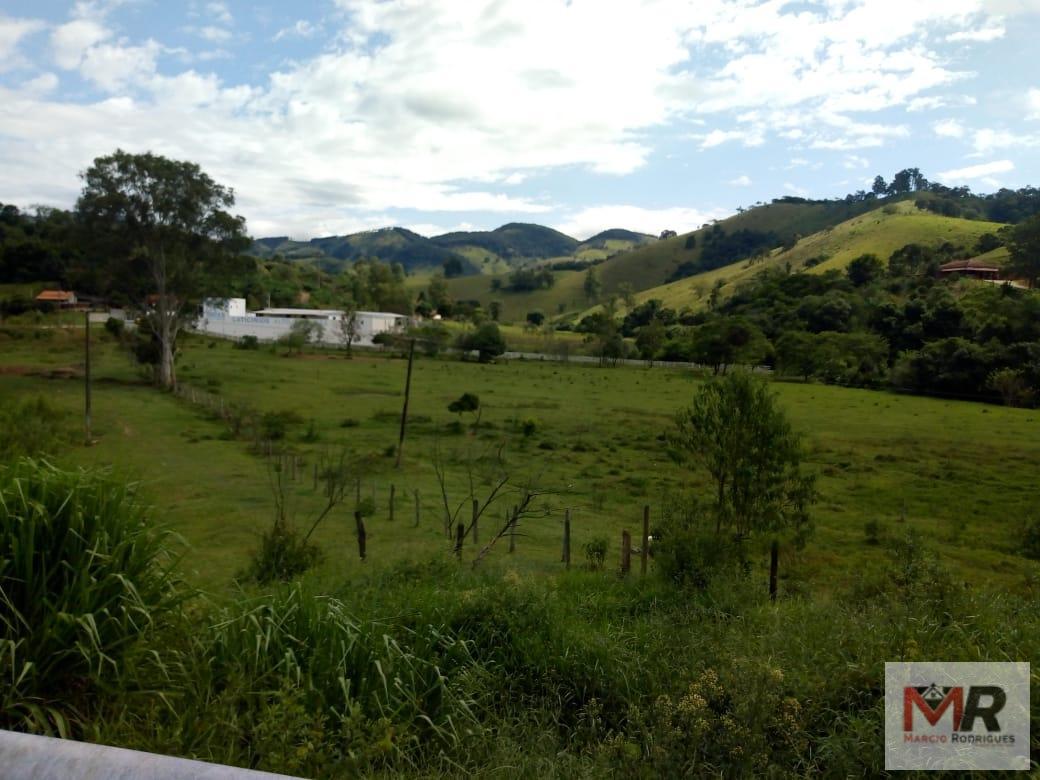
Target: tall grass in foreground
{"points": [[83, 576], [431, 669], [291, 681]]}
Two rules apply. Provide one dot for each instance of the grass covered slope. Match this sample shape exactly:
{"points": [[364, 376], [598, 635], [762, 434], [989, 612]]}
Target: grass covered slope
{"points": [[652, 263], [880, 232]]}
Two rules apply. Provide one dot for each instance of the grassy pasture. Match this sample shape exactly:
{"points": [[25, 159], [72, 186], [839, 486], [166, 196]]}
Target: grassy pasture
{"points": [[963, 474]]}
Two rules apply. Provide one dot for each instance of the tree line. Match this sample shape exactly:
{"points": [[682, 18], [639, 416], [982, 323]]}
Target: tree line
{"points": [[874, 324]]}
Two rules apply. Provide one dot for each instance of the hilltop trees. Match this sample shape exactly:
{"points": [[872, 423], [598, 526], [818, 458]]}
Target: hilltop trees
{"points": [[1023, 242], [168, 237]]}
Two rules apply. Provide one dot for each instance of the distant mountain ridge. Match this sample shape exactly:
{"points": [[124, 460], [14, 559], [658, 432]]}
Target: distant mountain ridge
{"points": [[514, 244]]}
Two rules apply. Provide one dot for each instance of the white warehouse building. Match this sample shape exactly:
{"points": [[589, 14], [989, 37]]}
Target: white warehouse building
{"points": [[229, 318]]}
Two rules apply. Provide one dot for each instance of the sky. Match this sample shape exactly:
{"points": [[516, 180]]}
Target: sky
{"points": [[332, 116]]}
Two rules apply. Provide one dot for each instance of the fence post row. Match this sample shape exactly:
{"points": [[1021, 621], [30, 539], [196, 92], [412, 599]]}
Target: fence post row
{"points": [[626, 552]]}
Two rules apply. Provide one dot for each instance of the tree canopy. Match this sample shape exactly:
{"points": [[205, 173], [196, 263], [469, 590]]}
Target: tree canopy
{"points": [[164, 229]]}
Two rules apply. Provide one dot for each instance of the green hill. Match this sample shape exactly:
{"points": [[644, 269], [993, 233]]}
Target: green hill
{"points": [[392, 245], [514, 242], [880, 232], [653, 262]]}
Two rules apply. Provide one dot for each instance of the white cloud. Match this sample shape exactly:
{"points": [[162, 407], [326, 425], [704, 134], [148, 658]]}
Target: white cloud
{"points": [[750, 137], [300, 29], [212, 33], [989, 140], [855, 162], [983, 35], [592, 220], [948, 128], [41, 85], [1033, 103], [112, 67], [12, 31], [741, 181], [71, 41], [976, 172], [219, 12], [794, 188], [439, 105]]}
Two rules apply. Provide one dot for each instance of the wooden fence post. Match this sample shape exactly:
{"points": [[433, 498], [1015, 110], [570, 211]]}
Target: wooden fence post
{"points": [[512, 530], [626, 552], [567, 538], [460, 535], [645, 548], [476, 516], [774, 561], [393, 489], [361, 536]]}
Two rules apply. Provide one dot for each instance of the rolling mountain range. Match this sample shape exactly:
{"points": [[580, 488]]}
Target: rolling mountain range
{"points": [[469, 252], [802, 234]]}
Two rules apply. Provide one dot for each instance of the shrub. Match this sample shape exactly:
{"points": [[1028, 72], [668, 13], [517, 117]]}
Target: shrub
{"points": [[31, 427], [1031, 539], [114, 327], [312, 434], [693, 555], [282, 555], [84, 575], [596, 552], [486, 340], [275, 425], [874, 531], [247, 342]]}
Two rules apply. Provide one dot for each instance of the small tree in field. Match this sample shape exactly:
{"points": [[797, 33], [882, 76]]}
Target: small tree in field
{"points": [[738, 434], [301, 333], [348, 327], [486, 340]]}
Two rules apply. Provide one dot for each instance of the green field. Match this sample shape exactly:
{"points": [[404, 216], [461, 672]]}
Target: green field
{"points": [[961, 473], [411, 663]]}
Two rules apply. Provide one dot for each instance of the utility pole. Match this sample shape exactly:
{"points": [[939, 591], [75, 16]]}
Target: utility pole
{"points": [[404, 409], [86, 376]]}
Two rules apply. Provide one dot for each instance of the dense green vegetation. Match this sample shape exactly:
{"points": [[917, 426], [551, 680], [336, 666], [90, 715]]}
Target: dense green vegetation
{"points": [[873, 324], [517, 662]]}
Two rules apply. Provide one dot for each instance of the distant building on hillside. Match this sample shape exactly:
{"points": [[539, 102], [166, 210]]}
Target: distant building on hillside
{"points": [[973, 267], [230, 318], [63, 298]]}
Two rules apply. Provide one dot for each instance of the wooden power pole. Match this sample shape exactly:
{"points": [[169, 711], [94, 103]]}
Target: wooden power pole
{"points": [[404, 409], [86, 377]]}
